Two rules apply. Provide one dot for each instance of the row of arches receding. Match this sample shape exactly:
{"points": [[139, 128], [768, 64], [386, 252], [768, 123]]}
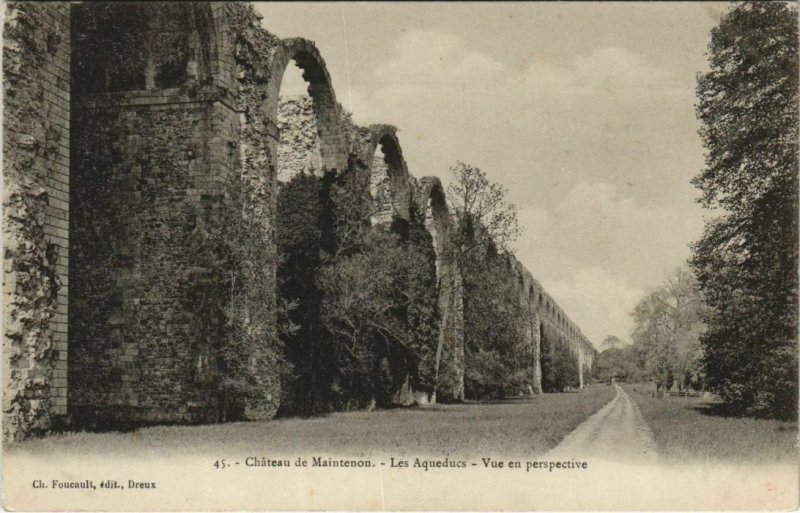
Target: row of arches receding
{"points": [[341, 190]]}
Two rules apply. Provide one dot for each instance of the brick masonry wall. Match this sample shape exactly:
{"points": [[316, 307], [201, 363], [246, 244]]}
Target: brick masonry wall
{"points": [[391, 186], [36, 117], [380, 188], [300, 147], [162, 136]]}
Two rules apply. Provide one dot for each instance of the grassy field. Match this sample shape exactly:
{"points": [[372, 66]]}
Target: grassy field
{"points": [[688, 430], [516, 427]]}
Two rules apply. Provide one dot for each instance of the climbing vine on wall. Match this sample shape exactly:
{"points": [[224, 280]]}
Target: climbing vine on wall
{"points": [[250, 356]]}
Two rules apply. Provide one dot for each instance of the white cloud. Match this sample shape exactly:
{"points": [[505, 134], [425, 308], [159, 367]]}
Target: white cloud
{"points": [[437, 60], [431, 80], [594, 224], [622, 233], [605, 71], [600, 251], [608, 112]]}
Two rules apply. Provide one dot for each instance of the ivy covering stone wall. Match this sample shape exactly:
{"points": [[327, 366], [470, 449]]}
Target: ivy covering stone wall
{"points": [[143, 143]]}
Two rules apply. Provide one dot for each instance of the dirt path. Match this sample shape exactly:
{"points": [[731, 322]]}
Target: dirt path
{"points": [[615, 433]]}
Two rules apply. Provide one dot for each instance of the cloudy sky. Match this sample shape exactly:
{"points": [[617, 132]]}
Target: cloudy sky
{"points": [[585, 111]]}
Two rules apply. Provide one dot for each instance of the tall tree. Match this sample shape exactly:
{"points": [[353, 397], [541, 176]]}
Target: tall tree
{"points": [[485, 224], [746, 260], [379, 301], [611, 342], [559, 364], [482, 213], [609, 360], [667, 330], [620, 362], [300, 237], [496, 356]]}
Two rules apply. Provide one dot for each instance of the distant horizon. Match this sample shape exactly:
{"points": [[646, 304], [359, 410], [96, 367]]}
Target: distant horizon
{"points": [[585, 111]]}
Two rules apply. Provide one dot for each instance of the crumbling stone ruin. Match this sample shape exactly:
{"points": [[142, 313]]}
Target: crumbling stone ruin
{"points": [[135, 135]]}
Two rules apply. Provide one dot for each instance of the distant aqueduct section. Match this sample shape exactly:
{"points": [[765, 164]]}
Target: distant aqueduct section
{"points": [[126, 128]]}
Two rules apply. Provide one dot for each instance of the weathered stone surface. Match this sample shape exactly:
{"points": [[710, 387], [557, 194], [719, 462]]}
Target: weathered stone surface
{"points": [[299, 149], [300, 146], [430, 201], [390, 183], [151, 169], [36, 117]]}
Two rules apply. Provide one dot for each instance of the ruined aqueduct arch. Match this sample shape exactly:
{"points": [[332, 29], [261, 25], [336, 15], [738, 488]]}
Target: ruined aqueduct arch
{"points": [[449, 365], [304, 53], [389, 178], [432, 206]]}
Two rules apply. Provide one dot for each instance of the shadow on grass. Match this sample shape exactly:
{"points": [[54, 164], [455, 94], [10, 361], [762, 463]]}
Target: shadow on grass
{"points": [[135, 429], [504, 400], [720, 409], [716, 410]]}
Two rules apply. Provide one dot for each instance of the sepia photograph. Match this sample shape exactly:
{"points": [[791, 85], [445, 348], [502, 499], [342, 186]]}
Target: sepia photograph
{"points": [[400, 256]]}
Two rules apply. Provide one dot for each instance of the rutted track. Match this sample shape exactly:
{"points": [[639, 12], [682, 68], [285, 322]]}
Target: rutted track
{"points": [[617, 432]]}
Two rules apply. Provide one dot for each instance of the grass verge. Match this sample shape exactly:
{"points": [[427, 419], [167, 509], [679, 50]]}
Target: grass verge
{"points": [[689, 430], [515, 427]]}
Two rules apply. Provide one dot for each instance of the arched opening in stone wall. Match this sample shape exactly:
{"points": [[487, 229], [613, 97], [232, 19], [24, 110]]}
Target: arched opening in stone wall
{"points": [[389, 185], [405, 353], [302, 101], [437, 222], [308, 160]]}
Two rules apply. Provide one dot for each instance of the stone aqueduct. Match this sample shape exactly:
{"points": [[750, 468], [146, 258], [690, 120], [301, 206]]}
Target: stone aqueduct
{"points": [[125, 128]]}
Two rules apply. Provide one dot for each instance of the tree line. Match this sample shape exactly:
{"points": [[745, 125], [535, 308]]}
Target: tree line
{"points": [[731, 324], [666, 349]]}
